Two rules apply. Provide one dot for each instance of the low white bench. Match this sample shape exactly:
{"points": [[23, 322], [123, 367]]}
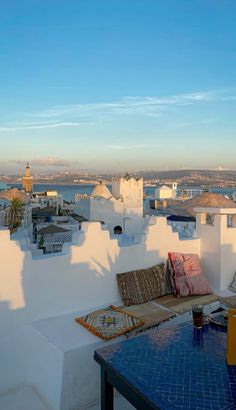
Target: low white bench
{"points": [[71, 363]]}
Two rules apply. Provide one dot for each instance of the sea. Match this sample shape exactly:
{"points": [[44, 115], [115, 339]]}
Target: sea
{"points": [[68, 191]]}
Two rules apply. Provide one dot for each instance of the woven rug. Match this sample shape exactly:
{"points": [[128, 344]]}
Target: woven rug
{"points": [[150, 313], [184, 304], [110, 322]]}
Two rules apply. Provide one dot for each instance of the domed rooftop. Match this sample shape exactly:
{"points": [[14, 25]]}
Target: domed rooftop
{"points": [[12, 193], [205, 200], [3, 186], [101, 190]]}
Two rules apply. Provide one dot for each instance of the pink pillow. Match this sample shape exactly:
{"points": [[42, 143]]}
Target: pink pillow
{"points": [[188, 278]]}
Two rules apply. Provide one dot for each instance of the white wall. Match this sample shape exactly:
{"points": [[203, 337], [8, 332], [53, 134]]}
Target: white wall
{"points": [[210, 249], [82, 207], [164, 192], [114, 212], [47, 286], [125, 208], [218, 246], [130, 189], [228, 253]]}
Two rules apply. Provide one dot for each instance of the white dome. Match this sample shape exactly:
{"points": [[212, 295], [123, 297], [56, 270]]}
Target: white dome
{"points": [[101, 190]]}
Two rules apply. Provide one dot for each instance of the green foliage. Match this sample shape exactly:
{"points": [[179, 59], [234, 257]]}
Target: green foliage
{"points": [[16, 204], [14, 216], [41, 242]]}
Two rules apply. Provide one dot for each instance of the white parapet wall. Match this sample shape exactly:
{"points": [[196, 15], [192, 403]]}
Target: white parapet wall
{"points": [[218, 244], [43, 288]]}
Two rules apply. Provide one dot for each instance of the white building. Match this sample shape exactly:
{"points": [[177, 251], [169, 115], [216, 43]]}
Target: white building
{"points": [[52, 237], [48, 198], [121, 210], [165, 192]]}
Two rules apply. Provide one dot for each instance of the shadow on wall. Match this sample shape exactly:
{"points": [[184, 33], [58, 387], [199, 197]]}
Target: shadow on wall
{"points": [[54, 285], [84, 278]]}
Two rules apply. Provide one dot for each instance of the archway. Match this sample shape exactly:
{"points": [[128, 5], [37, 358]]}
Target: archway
{"points": [[117, 230]]}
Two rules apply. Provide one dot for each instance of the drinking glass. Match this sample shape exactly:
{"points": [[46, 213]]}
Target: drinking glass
{"points": [[197, 313]]}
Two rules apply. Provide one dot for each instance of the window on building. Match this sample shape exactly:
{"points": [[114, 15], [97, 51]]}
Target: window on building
{"points": [[231, 221], [209, 219]]}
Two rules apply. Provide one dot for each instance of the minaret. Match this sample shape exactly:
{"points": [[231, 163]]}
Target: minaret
{"points": [[174, 190], [27, 180]]}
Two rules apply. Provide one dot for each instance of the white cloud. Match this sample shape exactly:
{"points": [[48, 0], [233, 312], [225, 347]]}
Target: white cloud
{"points": [[72, 115], [148, 106], [128, 147], [153, 106], [49, 162], [26, 126]]}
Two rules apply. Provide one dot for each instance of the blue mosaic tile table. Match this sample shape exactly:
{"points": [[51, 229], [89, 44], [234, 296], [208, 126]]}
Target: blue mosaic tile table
{"points": [[175, 368]]}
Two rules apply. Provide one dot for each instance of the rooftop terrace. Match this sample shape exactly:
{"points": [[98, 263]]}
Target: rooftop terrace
{"points": [[41, 296]]}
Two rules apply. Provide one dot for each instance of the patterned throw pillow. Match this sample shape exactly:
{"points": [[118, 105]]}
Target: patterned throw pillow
{"points": [[143, 285], [188, 278]]}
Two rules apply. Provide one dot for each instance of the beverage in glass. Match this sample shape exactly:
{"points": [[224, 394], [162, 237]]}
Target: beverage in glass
{"points": [[197, 313]]}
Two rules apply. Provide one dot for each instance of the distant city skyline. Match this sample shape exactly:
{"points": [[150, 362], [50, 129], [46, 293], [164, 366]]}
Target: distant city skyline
{"points": [[121, 85]]}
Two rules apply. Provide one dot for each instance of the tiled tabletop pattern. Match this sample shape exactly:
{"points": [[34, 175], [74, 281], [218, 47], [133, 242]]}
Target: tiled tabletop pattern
{"points": [[178, 368]]}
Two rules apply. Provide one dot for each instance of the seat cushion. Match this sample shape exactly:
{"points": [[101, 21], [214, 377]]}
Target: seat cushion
{"points": [[188, 278], [150, 313], [110, 322], [143, 285], [184, 304]]}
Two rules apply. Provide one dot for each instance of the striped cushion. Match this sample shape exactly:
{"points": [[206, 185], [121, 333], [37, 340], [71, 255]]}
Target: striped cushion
{"points": [[143, 285]]}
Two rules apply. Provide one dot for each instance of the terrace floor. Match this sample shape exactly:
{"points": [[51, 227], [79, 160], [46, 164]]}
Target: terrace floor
{"points": [[120, 404], [23, 398], [27, 397]]}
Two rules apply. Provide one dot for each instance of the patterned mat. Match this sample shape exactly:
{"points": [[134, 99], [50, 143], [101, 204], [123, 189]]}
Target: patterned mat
{"points": [[110, 322]]}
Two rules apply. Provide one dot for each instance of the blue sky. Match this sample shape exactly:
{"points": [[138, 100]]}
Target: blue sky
{"points": [[116, 85]]}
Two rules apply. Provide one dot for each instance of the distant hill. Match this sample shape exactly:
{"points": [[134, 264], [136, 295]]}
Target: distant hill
{"points": [[186, 173], [191, 177]]}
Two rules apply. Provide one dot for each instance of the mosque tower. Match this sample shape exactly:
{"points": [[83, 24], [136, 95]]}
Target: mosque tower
{"points": [[27, 180], [130, 191]]}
